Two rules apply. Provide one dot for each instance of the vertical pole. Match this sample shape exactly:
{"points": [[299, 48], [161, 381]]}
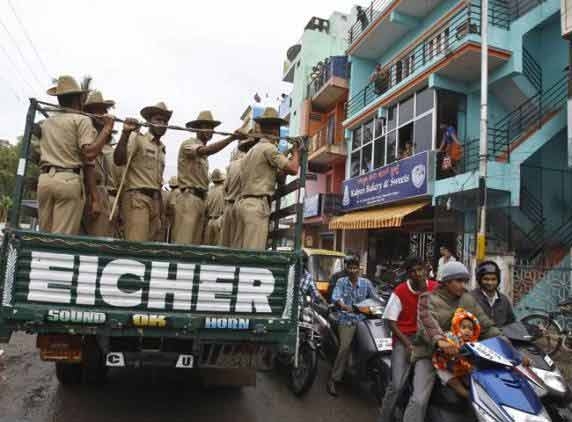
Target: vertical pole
{"points": [[14, 219], [483, 145], [300, 196]]}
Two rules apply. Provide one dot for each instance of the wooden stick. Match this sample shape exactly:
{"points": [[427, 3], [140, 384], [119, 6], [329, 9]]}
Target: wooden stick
{"points": [[120, 189]]}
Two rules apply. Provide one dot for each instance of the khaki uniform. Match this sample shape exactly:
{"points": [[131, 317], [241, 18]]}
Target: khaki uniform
{"points": [[61, 195], [215, 209], [171, 201], [106, 188], [190, 207], [258, 181], [230, 220], [141, 200]]}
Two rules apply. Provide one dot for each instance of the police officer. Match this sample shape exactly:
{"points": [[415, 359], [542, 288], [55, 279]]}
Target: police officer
{"points": [[98, 224], [143, 156], [259, 171], [169, 205], [69, 145], [215, 208], [193, 176]]}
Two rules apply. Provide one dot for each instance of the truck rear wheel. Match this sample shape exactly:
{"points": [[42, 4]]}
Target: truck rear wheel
{"points": [[69, 373]]}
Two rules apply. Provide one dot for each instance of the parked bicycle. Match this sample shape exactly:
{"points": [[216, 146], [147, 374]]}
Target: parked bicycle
{"points": [[550, 334]]}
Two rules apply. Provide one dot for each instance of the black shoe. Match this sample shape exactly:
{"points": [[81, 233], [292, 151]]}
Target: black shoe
{"points": [[331, 387]]}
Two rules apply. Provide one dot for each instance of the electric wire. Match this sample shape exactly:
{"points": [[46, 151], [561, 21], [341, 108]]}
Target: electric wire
{"points": [[15, 68], [27, 34]]}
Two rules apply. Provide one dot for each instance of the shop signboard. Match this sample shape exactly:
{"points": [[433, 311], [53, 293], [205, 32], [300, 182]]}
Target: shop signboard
{"points": [[404, 179]]}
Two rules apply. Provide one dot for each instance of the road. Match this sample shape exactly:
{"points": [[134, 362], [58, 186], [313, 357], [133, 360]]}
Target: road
{"points": [[30, 392]]}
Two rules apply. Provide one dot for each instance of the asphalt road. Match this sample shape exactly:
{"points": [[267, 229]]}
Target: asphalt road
{"points": [[29, 391]]}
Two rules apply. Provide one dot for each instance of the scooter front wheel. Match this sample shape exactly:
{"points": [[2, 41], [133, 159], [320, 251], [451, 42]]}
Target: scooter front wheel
{"points": [[379, 376], [302, 378]]}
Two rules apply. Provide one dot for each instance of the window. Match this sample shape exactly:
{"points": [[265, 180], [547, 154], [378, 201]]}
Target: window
{"points": [[356, 139], [379, 123], [391, 146], [406, 111], [355, 164], [368, 132], [379, 159], [424, 101], [331, 130], [391, 117], [423, 133]]}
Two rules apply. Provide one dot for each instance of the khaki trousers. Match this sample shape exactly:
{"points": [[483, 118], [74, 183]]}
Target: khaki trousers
{"points": [[253, 214], [60, 202], [190, 218], [346, 335], [141, 216], [100, 225], [212, 231], [229, 225]]}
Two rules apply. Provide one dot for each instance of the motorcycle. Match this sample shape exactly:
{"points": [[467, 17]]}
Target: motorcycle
{"points": [[370, 357], [302, 367], [543, 375]]}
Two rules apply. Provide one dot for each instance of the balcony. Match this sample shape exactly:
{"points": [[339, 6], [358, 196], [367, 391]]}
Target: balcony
{"points": [[329, 84], [452, 50], [324, 152], [322, 205], [284, 107]]}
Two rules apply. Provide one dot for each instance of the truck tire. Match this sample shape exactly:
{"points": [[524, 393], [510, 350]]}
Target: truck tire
{"points": [[69, 373]]}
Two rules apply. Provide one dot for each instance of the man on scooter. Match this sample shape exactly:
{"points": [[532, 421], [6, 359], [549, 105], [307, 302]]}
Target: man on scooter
{"points": [[494, 303], [401, 315], [349, 290], [435, 313]]}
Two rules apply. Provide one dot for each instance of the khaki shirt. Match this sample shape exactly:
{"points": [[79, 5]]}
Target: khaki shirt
{"points": [[63, 136], [215, 201], [193, 169], [147, 164], [104, 172], [260, 167], [232, 186]]}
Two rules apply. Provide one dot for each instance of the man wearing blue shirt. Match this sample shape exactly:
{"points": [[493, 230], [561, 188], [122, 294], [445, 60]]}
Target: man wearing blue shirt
{"points": [[349, 291]]}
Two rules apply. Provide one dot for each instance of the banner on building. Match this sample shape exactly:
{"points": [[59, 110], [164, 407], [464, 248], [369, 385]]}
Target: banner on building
{"points": [[406, 178]]}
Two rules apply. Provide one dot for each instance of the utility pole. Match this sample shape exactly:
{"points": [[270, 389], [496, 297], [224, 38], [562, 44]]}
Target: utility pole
{"points": [[483, 144]]}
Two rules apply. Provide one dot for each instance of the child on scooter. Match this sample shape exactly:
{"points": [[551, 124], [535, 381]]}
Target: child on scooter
{"points": [[452, 371]]}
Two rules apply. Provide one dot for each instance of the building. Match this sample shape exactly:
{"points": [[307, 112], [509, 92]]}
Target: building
{"points": [[397, 197], [318, 70]]}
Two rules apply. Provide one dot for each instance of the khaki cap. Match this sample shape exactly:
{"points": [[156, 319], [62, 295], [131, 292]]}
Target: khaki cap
{"points": [[174, 182], [159, 108], [95, 98], [270, 117], [66, 85], [205, 118], [217, 176]]}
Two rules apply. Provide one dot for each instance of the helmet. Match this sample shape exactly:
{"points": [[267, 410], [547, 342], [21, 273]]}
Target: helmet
{"points": [[217, 176], [173, 182], [454, 271], [487, 267]]}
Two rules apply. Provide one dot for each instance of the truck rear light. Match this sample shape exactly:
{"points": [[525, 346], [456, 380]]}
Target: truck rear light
{"points": [[60, 348]]}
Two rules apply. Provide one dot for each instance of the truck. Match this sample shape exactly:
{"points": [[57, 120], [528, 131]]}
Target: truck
{"points": [[99, 303]]}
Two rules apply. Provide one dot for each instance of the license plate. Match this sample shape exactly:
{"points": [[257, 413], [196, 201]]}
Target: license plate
{"points": [[548, 361], [384, 344]]}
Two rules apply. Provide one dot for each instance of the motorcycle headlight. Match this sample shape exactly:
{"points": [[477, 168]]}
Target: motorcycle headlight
{"points": [[519, 416], [376, 310], [306, 317], [552, 379]]}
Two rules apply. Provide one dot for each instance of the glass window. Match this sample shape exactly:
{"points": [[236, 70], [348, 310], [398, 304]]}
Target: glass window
{"points": [[379, 127], [391, 146], [368, 132], [424, 101], [366, 159], [356, 139], [391, 117], [379, 153], [405, 141], [331, 130], [355, 164], [423, 139], [405, 111]]}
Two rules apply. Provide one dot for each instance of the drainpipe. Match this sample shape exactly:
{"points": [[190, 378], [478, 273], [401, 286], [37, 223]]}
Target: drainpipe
{"points": [[483, 144]]}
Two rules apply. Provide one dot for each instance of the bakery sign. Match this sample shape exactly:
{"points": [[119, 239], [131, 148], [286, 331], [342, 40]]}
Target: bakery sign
{"points": [[404, 179]]}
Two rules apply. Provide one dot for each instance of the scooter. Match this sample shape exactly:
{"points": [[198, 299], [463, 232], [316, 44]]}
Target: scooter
{"points": [[543, 375], [500, 391], [370, 359]]}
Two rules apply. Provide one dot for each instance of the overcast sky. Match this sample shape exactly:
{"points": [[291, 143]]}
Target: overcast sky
{"points": [[192, 55]]}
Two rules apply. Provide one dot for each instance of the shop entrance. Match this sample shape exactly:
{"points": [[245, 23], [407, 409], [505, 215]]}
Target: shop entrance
{"points": [[388, 248]]}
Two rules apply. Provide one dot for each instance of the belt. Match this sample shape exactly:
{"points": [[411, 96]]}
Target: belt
{"points": [[112, 191], [201, 193], [267, 197], [47, 169], [151, 193], [214, 218], [230, 201]]}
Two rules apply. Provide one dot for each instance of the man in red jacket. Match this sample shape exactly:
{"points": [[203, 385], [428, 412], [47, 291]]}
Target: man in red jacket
{"points": [[401, 315]]}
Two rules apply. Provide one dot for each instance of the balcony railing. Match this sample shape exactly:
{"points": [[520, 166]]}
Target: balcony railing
{"points": [[365, 17], [322, 204], [325, 136], [443, 41], [333, 66]]}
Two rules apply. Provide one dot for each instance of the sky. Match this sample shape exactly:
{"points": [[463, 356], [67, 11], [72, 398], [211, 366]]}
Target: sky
{"points": [[193, 55]]}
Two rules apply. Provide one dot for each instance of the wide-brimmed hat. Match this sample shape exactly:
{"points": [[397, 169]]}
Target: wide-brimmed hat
{"points": [[205, 118], [95, 98], [217, 176], [270, 117], [159, 108], [65, 85], [173, 181]]}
